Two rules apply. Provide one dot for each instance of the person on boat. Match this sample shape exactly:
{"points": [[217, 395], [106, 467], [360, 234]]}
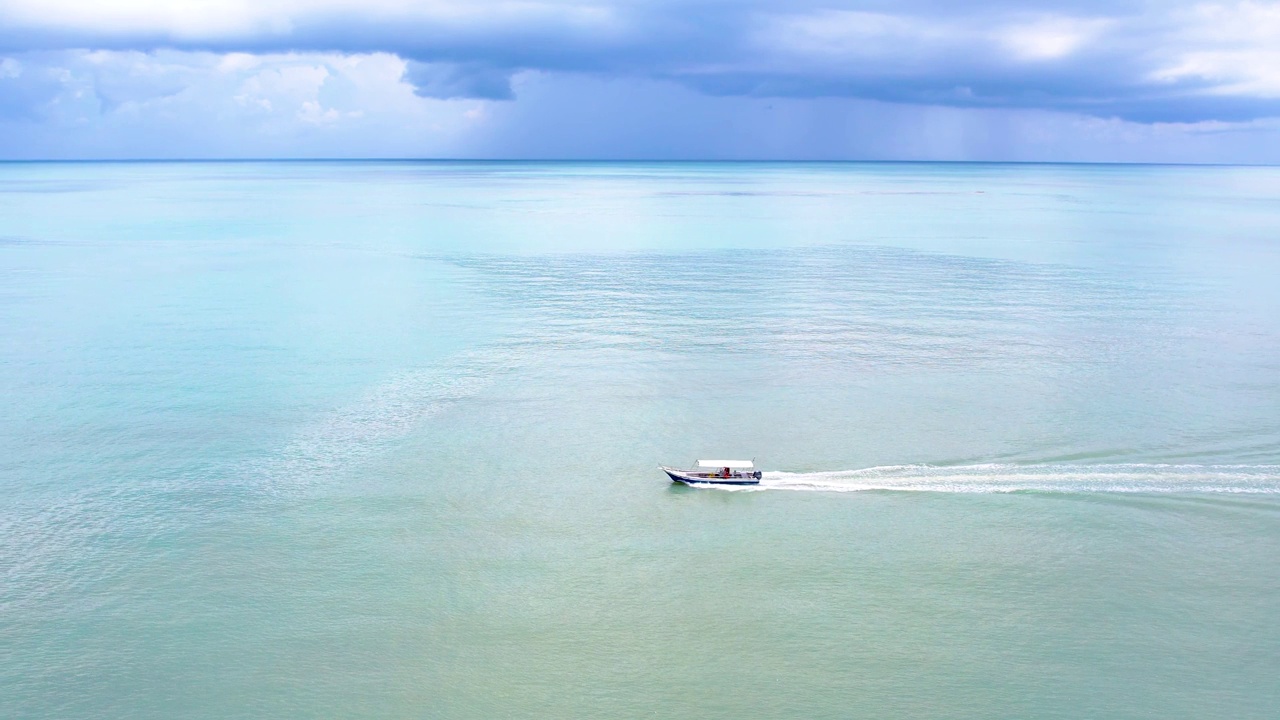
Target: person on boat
{"points": [[724, 473]]}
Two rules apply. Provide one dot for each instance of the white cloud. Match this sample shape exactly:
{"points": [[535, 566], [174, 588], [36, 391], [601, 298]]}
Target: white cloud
{"points": [[1050, 38], [1231, 48], [844, 32], [844, 35], [1249, 72], [1250, 23], [190, 19], [196, 20], [291, 85], [311, 112], [854, 34], [174, 104], [238, 62]]}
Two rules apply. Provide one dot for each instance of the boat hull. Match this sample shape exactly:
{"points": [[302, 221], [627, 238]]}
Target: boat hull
{"points": [[692, 480]]}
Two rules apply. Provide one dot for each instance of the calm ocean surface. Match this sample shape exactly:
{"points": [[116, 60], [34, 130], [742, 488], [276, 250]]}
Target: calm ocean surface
{"points": [[376, 440]]}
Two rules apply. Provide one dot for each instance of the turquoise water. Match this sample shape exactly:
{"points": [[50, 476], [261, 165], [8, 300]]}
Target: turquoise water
{"points": [[380, 440]]}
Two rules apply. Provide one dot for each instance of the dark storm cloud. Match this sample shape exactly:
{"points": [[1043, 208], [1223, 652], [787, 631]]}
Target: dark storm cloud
{"points": [[447, 81]]}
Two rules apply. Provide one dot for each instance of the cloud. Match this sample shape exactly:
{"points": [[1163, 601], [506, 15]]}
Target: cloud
{"points": [[171, 104], [455, 80], [1230, 50], [620, 78], [28, 89], [1177, 61], [135, 77], [585, 117], [1050, 38], [340, 105]]}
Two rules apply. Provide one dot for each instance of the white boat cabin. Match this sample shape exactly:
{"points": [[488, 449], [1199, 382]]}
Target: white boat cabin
{"points": [[723, 468], [731, 472]]}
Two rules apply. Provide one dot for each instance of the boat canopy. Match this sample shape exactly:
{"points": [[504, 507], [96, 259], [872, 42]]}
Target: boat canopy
{"points": [[731, 464]]}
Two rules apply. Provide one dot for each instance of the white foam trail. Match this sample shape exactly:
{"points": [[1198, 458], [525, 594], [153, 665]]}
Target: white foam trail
{"points": [[1004, 478], [388, 411]]}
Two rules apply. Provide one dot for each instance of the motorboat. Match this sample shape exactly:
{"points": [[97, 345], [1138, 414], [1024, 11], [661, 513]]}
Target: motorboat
{"points": [[716, 472]]}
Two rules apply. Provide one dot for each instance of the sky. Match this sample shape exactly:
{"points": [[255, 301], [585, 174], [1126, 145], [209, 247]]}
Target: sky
{"points": [[1035, 80]]}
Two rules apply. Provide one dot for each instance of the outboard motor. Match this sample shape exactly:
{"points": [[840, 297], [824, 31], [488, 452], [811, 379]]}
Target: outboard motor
{"points": [[757, 474]]}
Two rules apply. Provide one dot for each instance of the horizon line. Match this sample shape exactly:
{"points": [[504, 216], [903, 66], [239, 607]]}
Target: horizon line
{"points": [[777, 161]]}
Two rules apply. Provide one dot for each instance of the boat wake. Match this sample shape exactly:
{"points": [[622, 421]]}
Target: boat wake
{"points": [[1006, 478], [349, 434]]}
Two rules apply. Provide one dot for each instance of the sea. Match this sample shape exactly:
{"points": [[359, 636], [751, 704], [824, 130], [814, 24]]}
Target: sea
{"points": [[381, 440]]}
